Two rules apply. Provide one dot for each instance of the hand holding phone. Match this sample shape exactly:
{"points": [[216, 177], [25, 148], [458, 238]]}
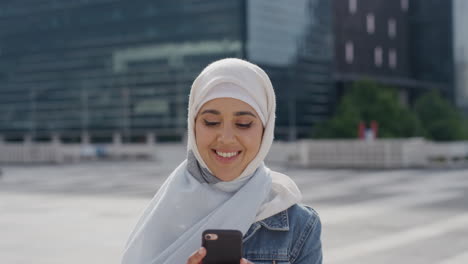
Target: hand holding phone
{"points": [[222, 246]]}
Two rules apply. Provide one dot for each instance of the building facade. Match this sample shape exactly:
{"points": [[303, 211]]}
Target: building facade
{"points": [[371, 42], [406, 44], [294, 44], [460, 43], [90, 69], [431, 41], [371, 38]]}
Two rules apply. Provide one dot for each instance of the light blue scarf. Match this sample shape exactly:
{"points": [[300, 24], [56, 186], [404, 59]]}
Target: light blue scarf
{"points": [[171, 227], [198, 172]]}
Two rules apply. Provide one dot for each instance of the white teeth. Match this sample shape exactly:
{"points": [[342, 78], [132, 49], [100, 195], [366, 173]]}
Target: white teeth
{"points": [[226, 154]]}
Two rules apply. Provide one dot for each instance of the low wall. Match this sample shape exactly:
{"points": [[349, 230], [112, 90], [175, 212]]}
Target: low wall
{"points": [[398, 153], [29, 153], [59, 153], [392, 153]]}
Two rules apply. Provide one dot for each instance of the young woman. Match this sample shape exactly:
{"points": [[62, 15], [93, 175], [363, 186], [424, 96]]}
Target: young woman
{"points": [[224, 184]]}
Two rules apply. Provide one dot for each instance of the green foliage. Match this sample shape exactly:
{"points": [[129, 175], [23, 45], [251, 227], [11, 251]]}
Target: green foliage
{"points": [[433, 116], [343, 125], [368, 101], [442, 121]]}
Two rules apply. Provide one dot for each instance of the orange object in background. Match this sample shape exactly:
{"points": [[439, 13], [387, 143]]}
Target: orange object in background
{"points": [[375, 128], [364, 131], [361, 130]]}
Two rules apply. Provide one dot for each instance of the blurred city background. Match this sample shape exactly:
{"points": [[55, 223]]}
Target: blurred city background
{"points": [[372, 118]]}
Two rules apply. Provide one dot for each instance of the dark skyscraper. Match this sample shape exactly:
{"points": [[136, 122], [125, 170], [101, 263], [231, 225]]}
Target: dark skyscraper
{"points": [[406, 44], [432, 44]]}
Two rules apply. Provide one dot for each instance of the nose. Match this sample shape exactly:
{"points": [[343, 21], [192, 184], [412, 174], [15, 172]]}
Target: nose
{"points": [[226, 135]]}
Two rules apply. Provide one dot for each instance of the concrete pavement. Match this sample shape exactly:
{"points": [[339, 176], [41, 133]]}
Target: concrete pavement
{"points": [[83, 213]]}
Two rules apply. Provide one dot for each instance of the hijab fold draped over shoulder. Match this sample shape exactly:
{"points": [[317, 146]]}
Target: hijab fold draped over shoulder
{"points": [[192, 199]]}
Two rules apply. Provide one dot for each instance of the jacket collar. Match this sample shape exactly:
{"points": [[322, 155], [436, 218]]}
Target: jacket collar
{"points": [[277, 222]]}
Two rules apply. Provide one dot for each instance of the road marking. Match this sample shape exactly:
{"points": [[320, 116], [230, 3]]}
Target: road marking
{"points": [[344, 186], [384, 183], [457, 259], [318, 177], [346, 254], [434, 183], [341, 214]]}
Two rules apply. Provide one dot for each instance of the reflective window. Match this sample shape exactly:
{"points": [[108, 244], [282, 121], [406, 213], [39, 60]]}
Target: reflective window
{"points": [[352, 4], [404, 5], [349, 52], [378, 56], [370, 23], [392, 58], [392, 28]]}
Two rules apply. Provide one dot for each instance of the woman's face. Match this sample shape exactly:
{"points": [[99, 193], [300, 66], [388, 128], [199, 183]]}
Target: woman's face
{"points": [[228, 133]]}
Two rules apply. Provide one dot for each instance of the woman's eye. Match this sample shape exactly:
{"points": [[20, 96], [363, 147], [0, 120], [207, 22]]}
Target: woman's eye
{"points": [[244, 125], [207, 123]]}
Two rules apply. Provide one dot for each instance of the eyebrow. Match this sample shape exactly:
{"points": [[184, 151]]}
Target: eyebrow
{"points": [[216, 112], [211, 111], [244, 113]]}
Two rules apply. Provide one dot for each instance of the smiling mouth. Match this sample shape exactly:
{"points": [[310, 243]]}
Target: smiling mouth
{"points": [[227, 155]]}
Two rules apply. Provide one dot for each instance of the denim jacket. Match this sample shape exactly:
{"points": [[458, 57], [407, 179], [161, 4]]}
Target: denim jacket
{"points": [[291, 236]]}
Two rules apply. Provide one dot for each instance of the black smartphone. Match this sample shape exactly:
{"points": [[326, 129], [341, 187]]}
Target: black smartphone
{"points": [[222, 246]]}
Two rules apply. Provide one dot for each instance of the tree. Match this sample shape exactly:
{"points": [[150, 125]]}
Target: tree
{"points": [[368, 101], [441, 120]]}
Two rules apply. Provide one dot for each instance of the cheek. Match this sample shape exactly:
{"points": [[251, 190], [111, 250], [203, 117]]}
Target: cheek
{"points": [[198, 132], [253, 140], [202, 135]]}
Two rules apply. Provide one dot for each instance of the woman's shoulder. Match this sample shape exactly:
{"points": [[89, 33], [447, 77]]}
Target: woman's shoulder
{"points": [[300, 214], [302, 211], [297, 216], [304, 221], [292, 235]]}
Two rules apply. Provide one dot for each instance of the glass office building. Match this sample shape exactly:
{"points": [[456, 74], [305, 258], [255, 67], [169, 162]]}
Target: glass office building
{"points": [[101, 67], [431, 38], [460, 20]]}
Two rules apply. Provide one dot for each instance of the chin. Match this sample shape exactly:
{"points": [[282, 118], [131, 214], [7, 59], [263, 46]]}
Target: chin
{"points": [[228, 178], [223, 176]]}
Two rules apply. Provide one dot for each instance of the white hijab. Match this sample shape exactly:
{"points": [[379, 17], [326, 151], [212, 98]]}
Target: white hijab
{"points": [[170, 229]]}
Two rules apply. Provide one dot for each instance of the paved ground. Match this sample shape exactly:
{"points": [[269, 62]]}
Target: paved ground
{"points": [[83, 213]]}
